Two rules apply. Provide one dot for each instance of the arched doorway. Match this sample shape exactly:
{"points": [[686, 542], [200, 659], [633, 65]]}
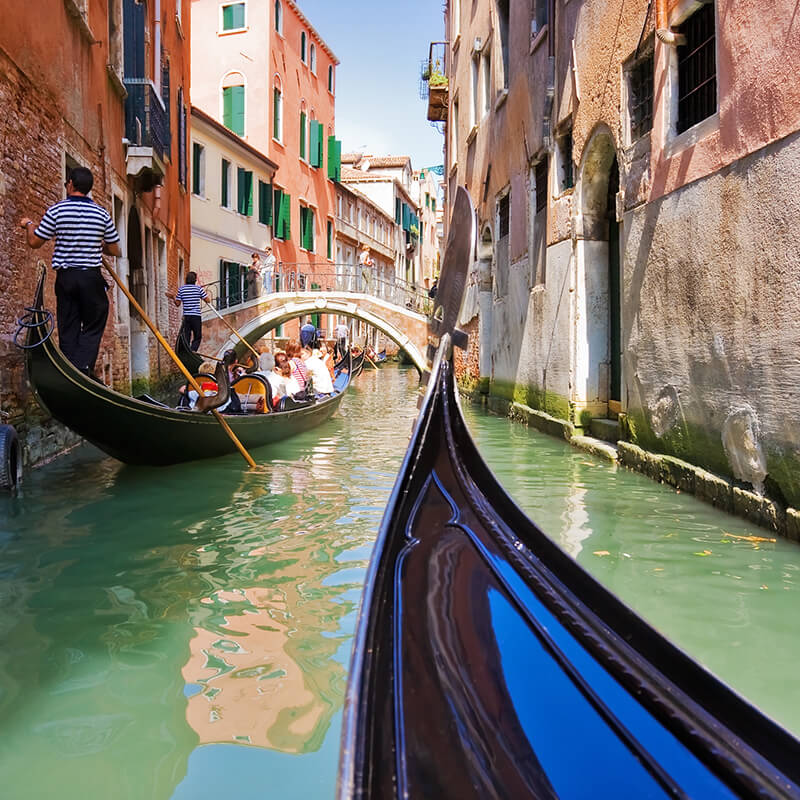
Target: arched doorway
{"points": [[598, 295], [137, 280]]}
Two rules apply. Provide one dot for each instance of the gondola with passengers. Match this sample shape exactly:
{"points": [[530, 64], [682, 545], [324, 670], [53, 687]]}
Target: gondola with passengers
{"points": [[141, 430], [488, 663]]}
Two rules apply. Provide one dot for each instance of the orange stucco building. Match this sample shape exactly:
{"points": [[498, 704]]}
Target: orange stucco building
{"points": [[271, 78], [102, 84]]}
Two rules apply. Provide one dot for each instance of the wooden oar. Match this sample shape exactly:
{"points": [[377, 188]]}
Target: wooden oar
{"points": [[188, 375], [375, 366], [233, 330], [209, 358]]}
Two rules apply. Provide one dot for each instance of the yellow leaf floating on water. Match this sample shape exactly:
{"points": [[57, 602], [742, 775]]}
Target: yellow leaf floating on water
{"points": [[749, 538], [764, 586], [704, 553], [601, 553]]}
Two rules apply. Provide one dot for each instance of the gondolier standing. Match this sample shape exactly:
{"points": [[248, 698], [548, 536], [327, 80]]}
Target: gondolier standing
{"points": [[191, 296], [83, 231]]}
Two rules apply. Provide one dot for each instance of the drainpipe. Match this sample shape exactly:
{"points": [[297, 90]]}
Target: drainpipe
{"points": [[663, 31], [550, 87]]}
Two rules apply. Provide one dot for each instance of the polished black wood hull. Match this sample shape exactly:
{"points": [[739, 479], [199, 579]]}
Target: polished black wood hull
{"points": [[139, 432], [488, 664]]}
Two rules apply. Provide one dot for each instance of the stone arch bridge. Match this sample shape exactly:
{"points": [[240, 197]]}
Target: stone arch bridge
{"points": [[253, 318]]}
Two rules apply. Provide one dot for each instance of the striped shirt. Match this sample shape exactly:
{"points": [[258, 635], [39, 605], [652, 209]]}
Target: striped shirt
{"points": [[190, 295], [80, 227]]}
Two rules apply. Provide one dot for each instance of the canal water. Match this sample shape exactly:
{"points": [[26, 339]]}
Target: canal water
{"points": [[185, 632]]}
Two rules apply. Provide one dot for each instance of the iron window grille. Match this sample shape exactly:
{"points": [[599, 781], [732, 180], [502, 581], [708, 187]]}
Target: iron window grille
{"points": [[565, 152], [503, 216], [640, 97], [540, 176], [697, 69]]}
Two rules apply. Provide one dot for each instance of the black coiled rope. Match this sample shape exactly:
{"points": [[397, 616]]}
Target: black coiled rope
{"points": [[33, 318]]}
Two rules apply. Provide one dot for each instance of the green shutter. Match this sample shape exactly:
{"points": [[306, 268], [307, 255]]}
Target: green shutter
{"points": [[304, 227], [227, 106], [330, 239], [264, 203], [338, 160], [238, 110], [313, 153], [224, 192], [227, 18], [248, 193], [196, 150], [277, 211], [286, 210], [302, 134], [406, 217], [332, 157]]}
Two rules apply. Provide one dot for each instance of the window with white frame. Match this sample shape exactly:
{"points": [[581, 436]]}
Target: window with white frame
{"points": [[277, 110], [697, 68], [487, 80], [503, 13], [312, 57], [475, 105], [278, 16], [233, 17]]}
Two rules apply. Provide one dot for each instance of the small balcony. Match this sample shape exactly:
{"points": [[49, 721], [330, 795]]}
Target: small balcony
{"points": [[147, 131], [434, 83]]}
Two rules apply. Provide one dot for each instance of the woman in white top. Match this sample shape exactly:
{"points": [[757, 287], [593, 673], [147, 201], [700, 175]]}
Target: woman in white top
{"points": [[318, 371]]}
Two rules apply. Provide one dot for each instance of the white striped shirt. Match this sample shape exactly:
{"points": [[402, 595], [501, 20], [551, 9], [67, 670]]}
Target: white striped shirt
{"points": [[80, 227], [190, 295]]}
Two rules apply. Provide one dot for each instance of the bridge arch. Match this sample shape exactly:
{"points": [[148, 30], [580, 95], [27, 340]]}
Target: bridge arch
{"points": [[271, 317]]}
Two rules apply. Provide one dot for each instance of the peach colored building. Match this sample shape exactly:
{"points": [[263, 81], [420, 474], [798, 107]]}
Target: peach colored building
{"points": [[103, 85], [262, 70], [632, 165]]}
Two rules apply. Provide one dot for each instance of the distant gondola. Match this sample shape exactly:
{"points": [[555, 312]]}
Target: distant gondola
{"points": [[138, 431], [357, 356], [488, 664]]}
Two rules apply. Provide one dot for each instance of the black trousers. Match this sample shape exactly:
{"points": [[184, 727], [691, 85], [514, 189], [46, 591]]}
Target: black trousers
{"points": [[81, 311], [193, 331]]}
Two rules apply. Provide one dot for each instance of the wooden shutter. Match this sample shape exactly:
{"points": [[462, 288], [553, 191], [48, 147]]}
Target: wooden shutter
{"points": [[196, 149], [227, 107], [313, 153], [225, 203], [248, 193], [237, 110], [286, 209], [264, 203]]}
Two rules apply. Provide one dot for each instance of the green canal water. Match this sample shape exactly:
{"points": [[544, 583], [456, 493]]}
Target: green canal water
{"points": [[185, 632]]}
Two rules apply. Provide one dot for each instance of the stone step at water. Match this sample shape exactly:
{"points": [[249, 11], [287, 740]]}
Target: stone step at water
{"points": [[605, 429]]}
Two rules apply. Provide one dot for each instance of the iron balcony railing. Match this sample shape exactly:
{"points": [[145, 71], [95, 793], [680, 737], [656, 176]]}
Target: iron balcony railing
{"points": [[146, 117], [236, 289]]}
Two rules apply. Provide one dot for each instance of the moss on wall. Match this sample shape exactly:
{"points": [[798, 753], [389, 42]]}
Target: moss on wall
{"points": [[551, 403]]}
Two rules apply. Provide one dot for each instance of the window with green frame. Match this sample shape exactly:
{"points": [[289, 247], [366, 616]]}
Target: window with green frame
{"points": [[265, 203], [303, 135], [225, 200], [244, 184], [233, 109], [330, 240], [307, 228], [277, 109], [233, 16]]}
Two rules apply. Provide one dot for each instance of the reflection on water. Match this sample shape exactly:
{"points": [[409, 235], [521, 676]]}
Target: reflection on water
{"points": [[722, 589], [184, 632]]}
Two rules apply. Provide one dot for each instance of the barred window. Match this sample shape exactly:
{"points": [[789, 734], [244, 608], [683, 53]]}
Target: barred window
{"points": [[640, 97], [697, 69], [540, 176]]}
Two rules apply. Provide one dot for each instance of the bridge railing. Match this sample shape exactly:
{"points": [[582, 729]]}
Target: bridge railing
{"points": [[239, 287]]}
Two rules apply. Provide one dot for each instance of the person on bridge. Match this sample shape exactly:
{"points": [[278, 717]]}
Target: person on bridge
{"points": [[268, 270], [190, 296], [254, 277], [83, 231], [367, 264]]}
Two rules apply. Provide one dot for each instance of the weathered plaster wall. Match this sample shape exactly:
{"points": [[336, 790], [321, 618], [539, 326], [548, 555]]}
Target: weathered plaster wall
{"points": [[711, 331]]}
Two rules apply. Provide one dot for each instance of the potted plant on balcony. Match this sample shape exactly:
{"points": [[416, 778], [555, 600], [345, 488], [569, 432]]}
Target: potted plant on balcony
{"points": [[437, 93]]}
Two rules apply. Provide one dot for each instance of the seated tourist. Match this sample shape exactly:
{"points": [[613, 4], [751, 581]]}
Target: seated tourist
{"points": [[189, 395], [299, 371], [321, 378], [266, 361], [327, 358]]}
